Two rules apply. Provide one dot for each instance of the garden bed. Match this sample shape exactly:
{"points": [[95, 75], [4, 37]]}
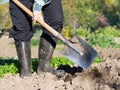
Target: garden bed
{"points": [[100, 76]]}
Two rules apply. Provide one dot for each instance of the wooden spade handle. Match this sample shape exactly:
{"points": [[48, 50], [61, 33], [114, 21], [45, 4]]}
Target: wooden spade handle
{"points": [[45, 25]]}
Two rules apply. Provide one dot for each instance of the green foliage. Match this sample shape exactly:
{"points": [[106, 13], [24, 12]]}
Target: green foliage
{"points": [[102, 40], [8, 65], [57, 61], [5, 21], [5, 69], [98, 59], [82, 32], [110, 31], [82, 11], [103, 37], [86, 12]]}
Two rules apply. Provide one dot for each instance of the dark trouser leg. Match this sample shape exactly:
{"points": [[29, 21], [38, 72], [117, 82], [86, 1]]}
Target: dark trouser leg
{"points": [[22, 22], [24, 56], [53, 15], [22, 33]]}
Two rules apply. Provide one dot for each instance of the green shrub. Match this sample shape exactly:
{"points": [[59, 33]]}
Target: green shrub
{"points": [[98, 59], [102, 40], [4, 69], [110, 31], [82, 32], [57, 61]]}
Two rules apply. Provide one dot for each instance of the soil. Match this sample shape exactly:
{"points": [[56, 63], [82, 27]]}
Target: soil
{"points": [[100, 76]]}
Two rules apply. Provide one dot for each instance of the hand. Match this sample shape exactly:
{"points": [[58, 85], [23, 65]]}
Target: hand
{"points": [[37, 15]]}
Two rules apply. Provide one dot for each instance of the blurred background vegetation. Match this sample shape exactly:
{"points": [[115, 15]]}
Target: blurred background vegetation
{"points": [[88, 14], [5, 21], [87, 18]]}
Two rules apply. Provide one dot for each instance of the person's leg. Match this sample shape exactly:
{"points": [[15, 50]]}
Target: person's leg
{"points": [[22, 33], [53, 16], [22, 22]]}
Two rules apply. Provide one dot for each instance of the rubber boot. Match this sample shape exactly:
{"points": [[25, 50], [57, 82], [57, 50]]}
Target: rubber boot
{"points": [[45, 55], [24, 56]]}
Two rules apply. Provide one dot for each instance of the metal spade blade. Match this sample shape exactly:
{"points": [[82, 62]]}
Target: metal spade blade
{"points": [[83, 60]]}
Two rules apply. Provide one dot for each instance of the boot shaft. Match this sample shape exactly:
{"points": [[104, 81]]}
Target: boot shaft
{"points": [[45, 55], [23, 50], [46, 50], [24, 57]]}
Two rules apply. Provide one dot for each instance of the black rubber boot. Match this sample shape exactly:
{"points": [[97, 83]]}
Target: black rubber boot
{"points": [[45, 54], [24, 56]]}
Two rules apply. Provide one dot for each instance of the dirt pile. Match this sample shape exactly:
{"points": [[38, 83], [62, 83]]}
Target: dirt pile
{"points": [[108, 53], [104, 76]]}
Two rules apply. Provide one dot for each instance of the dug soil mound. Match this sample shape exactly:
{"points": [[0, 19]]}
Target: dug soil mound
{"points": [[100, 76]]}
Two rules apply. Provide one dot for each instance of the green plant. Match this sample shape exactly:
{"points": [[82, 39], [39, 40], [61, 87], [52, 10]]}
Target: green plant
{"points": [[5, 20], [98, 59], [110, 31], [102, 40], [4, 69], [57, 61], [82, 32]]}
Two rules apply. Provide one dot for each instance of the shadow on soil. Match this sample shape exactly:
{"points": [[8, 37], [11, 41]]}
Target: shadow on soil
{"points": [[70, 70]]}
